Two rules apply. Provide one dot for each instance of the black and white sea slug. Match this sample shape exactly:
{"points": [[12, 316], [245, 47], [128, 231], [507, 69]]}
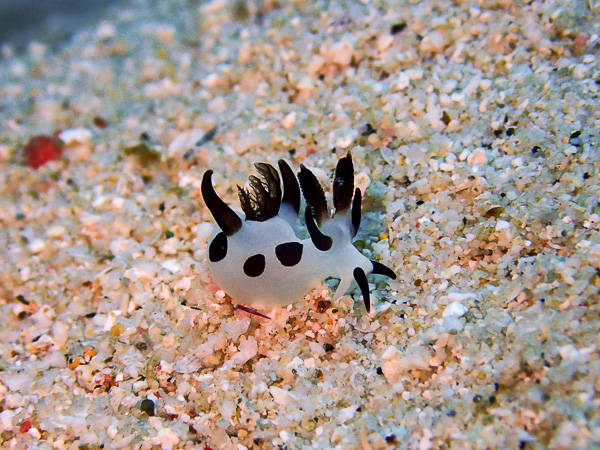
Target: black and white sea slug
{"points": [[259, 261]]}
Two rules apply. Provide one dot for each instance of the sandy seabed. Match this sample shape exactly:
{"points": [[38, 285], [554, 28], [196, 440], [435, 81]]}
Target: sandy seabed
{"points": [[474, 128]]}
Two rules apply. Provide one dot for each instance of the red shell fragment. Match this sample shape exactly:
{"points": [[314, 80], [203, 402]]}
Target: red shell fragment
{"points": [[25, 426], [39, 150]]}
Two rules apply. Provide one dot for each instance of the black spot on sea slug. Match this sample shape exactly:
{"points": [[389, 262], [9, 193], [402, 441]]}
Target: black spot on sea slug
{"points": [[218, 248], [289, 254], [255, 265]]}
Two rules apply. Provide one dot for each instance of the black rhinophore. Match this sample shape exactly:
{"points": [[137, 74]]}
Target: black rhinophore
{"points": [[225, 217]]}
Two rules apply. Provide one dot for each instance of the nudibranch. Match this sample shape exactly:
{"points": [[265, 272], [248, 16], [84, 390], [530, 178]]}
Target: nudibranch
{"points": [[259, 261]]}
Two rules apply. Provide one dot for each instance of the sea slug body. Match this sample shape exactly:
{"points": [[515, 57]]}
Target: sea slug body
{"points": [[259, 261]]}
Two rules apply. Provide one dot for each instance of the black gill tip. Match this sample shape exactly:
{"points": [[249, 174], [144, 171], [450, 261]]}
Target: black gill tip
{"points": [[313, 194], [356, 211], [381, 269], [321, 241], [291, 189], [343, 184], [363, 284]]}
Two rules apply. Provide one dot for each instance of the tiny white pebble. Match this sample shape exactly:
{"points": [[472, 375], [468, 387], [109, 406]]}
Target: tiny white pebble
{"points": [[211, 81], [485, 84], [186, 180], [568, 351], [517, 162], [403, 82], [362, 181], [280, 396], [161, 89], [483, 105], [502, 225], [581, 71], [584, 244], [588, 59], [172, 265], [433, 42], [112, 431], [344, 142], [111, 319], [459, 296], [346, 414], [458, 97], [106, 30], [464, 155], [341, 53], [37, 245], [455, 309], [384, 42], [591, 221], [34, 433], [6, 417], [477, 157], [434, 164], [75, 136], [309, 363], [289, 120], [389, 353], [118, 202], [295, 363], [55, 231]]}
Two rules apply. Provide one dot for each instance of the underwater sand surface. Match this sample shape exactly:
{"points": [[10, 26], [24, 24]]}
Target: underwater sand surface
{"points": [[474, 129], [50, 21]]}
